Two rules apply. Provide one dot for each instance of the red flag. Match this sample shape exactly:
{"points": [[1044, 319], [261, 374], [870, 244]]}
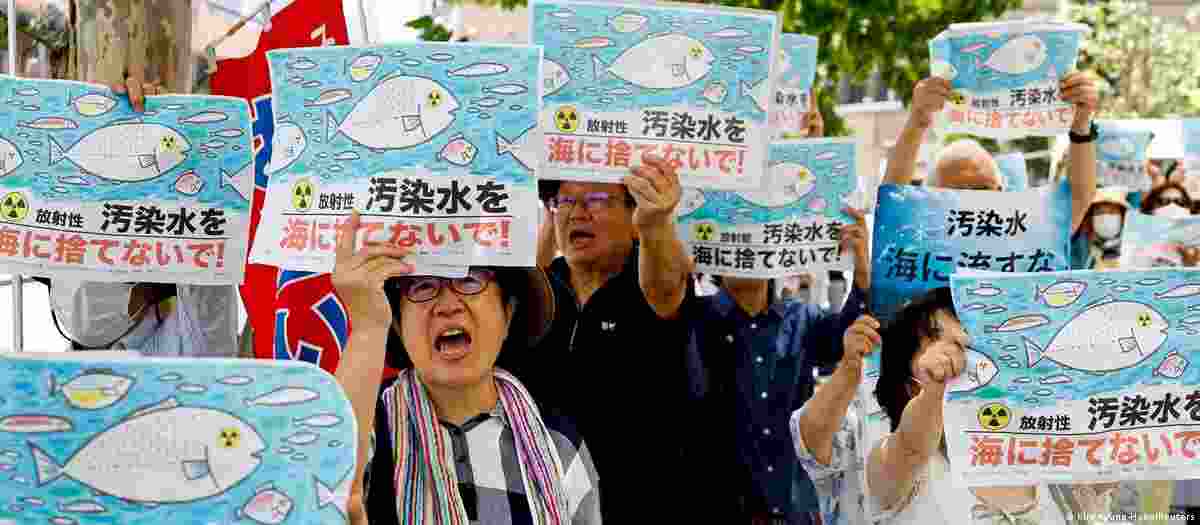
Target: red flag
{"points": [[295, 315]]}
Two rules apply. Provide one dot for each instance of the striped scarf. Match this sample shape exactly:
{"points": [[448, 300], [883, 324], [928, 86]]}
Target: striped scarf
{"points": [[426, 479]]}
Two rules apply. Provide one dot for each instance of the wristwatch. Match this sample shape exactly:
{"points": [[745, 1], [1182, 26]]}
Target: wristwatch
{"points": [[1084, 139]]}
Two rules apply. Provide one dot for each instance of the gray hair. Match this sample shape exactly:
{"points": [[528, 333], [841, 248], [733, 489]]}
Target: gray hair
{"points": [[962, 149]]}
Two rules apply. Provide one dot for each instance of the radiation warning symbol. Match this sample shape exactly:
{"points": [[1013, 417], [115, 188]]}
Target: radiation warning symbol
{"points": [[14, 207], [302, 195], [705, 231], [994, 416]]}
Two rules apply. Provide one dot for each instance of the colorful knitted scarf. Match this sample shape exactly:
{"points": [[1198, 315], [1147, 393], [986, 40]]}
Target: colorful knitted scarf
{"points": [[426, 480]]}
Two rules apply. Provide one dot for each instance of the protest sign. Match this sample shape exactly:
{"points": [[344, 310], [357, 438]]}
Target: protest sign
{"points": [[91, 190], [791, 228], [1121, 155], [1005, 77], [1013, 169], [1148, 241], [1074, 377], [436, 145], [923, 235], [692, 84], [796, 71], [144, 441]]}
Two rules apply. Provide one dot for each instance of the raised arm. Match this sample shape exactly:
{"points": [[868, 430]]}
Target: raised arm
{"points": [[929, 97], [822, 415], [1080, 90], [896, 460], [358, 278], [663, 264]]}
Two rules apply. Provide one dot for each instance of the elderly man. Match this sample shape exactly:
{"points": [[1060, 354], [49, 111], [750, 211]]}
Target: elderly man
{"points": [[827, 432], [618, 348]]}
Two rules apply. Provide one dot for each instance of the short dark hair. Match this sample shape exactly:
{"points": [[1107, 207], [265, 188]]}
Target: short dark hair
{"points": [[719, 281], [509, 280], [548, 189], [901, 341]]}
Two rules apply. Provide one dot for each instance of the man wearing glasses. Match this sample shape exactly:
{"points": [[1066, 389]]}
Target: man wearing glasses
{"points": [[617, 350]]}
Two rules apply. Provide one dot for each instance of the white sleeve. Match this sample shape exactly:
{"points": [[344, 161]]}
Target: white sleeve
{"points": [[214, 308], [844, 453]]}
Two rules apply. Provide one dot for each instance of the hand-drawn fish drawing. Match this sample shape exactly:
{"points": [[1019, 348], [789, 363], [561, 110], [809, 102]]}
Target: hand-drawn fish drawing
{"points": [[268, 506], [523, 148], [364, 66], [790, 182], [242, 182], [1103, 337], [400, 112], [1060, 294], [554, 77], [692, 200], [1018, 56], [757, 93], [979, 372], [287, 146], [93, 104], [125, 151], [10, 157], [93, 390], [135, 460], [337, 496], [667, 61]]}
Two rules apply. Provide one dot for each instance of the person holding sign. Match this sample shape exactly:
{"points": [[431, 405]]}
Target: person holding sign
{"points": [[155, 319], [617, 351], [978, 170], [455, 439]]}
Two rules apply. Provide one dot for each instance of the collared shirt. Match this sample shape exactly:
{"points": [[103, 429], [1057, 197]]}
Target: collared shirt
{"points": [[839, 484], [489, 473], [623, 370], [757, 371]]}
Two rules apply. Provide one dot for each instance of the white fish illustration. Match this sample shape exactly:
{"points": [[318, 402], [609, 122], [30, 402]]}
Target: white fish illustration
{"points": [[62, 520], [628, 22], [1121, 288], [93, 390], [329, 96], [236, 380], [974, 306], [757, 93], [715, 92], [441, 57], [10, 157], [215, 144], [790, 182], [285, 450], [302, 64], [318, 421], [750, 50], [1180, 291], [287, 145], [980, 370], [1106, 282], [82, 507], [230, 133], [189, 183], [173, 107], [50, 123], [192, 388], [459, 151], [691, 200], [93, 104], [338, 496], [364, 66], [730, 32], [507, 89], [126, 152], [1060, 294], [481, 69], [1107, 336], [136, 460], [1149, 281], [524, 148], [554, 77], [1018, 323], [1117, 147], [1055, 379], [26, 92], [170, 376], [1017, 56], [302, 438], [667, 61], [488, 102], [400, 112], [205, 117], [595, 42], [985, 290], [284, 396], [995, 309], [346, 155], [562, 13], [268, 506], [1172, 366]]}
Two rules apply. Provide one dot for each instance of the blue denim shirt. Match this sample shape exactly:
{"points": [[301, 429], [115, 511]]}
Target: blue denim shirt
{"points": [[755, 373]]}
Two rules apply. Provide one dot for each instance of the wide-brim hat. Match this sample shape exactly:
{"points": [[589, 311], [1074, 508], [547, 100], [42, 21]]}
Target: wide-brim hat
{"points": [[532, 317], [1115, 195]]}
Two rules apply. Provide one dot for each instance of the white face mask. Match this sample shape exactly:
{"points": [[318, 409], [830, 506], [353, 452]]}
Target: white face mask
{"points": [[1107, 226], [1172, 211], [93, 314]]}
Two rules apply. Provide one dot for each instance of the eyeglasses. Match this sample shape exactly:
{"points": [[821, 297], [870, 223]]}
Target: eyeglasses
{"points": [[1177, 200], [424, 289], [594, 201]]}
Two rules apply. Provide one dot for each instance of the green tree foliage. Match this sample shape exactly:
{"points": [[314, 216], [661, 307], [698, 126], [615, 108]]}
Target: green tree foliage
{"points": [[1146, 64], [857, 37]]}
